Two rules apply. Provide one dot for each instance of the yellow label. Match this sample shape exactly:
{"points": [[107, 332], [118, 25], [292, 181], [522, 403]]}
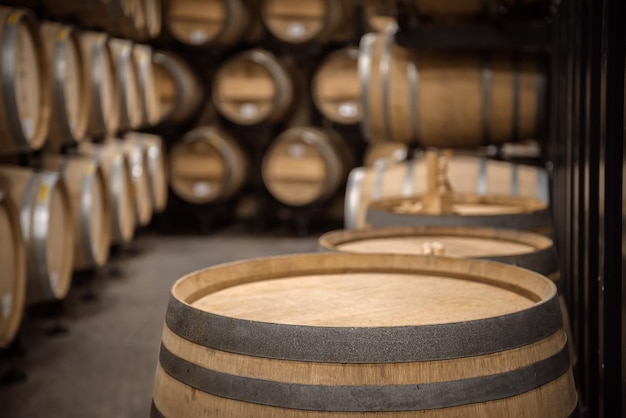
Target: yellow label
{"points": [[13, 18], [63, 34], [43, 192], [89, 169]]}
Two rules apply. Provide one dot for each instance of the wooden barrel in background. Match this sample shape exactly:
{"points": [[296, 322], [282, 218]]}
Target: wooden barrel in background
{"points": [[139, 175], [428, 336], [391, 179], [178, 89], [335, 89], [102, 79], [25, 90], [207, 166], [116, 168], [211, 22], [47, 228], [153, 11], [154, 154], [306, 20], [378, 14], [91, 208], [150, 105], [12, 272], [304, 166], [113, 16], [449, 99], [386, 151], [253, 87], [130, 112], [70, 110]]}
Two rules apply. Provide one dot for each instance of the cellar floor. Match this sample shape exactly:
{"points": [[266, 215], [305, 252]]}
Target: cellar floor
{"points": [[103, 366]]}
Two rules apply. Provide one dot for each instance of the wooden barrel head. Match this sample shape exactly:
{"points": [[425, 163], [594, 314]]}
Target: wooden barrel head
{"points": [[335, 87], [297, 22]]}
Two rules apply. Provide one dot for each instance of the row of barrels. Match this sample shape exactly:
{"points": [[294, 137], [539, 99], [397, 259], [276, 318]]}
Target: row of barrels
{"points": [[69, 85], [65, 216]]}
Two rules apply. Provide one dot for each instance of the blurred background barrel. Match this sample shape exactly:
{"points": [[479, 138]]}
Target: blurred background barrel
{"points": [[139, 174], [130, 111], [25, 89], [12, 271], [449, 99], [150, 105], [47, 228], [207, 165], [104, 99], [210, 22], [178, 89], [154, 155], [335, 89], [70, 107], [304, 165], [90, 205]]}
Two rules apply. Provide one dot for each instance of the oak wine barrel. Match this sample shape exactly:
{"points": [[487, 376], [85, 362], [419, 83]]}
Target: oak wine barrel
{"points": [[253, 87], [90, 205], [69, 84], [207, 166], [449, 99], [153, 12], [208, 22], [25, 90], [104, 98], [47, 228], [306, 20], [304, 166], [335, 88], [179, 90], [139, 174], [130, 111], [154, 154], [12, 272], [386, 151], [115, 165], [364, 335], [150, 107], [379, 15], [391, 179]]}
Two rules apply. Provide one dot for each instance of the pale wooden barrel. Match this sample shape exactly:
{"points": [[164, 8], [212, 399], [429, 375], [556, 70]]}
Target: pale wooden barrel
{"points": [[208, 22], [104, 99], [12, 272], [153, 10], [335, 88], [115, 165], [130, 111], [25, 90], [47, 228], [386, 151], [305, 20], [420, 336], [391, 179], [70, 110], [448, 99], [253, 87], [139, 174], [179, 90], [147, 85], [90, 204], [114, 16], [207, 166], [154, 154], [304, 165]]}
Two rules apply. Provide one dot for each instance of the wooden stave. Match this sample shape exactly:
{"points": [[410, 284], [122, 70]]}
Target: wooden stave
{"points": [[378, 59], [139, 170], [143, 56], [178, 344], [102, 120], [349, 53], [327, 145], [189, 90], [284, 91], [82, 175], [10, 322], [33, 191], [154, 154], [57, 39], [231, 153], [237, 20], [13, 139], [130, 111]]}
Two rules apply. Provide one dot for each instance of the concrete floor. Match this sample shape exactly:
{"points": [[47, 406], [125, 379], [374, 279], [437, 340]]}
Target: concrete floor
{"points": [[103, 367]]}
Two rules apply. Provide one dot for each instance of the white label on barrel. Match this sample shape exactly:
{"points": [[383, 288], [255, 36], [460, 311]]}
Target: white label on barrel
{"points": [[248, 111], [296, 151], [201, 189], [28, 126], [296, 30], [198, 36], [54, 280], [348, 109], [7, 305]]}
